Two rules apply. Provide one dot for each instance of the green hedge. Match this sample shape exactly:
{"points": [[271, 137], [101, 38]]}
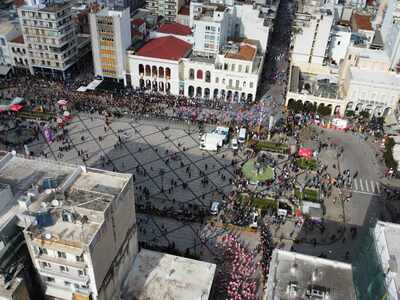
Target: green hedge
{"points": [[259, 203], [272, 147], [307, 164], [44, 116], [308, 194], [388, 154]]}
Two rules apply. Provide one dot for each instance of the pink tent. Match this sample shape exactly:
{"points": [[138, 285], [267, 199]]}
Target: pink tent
{"points": [[306, 152], [16, 107]]}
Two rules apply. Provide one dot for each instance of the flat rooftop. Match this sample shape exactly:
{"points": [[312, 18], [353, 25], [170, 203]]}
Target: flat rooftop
{"points": [[86, 193], [157, 275], [375, 77], [298, 276]]}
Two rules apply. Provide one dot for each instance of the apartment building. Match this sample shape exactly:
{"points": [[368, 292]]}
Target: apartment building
{"points": [[49, 33], [19, 54], [297, 276], [80, 225], [168, 9], [9, 30], [111, 36]]}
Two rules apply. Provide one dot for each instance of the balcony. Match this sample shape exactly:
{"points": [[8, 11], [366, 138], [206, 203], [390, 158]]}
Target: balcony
{"points": [[50, 272], [62, 261], [235, 88]]}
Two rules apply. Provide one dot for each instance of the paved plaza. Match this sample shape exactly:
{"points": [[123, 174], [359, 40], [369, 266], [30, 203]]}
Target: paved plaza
{"points": [[148, 147]]}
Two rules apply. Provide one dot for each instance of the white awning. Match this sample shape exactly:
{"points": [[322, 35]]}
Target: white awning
{"points": [[82, 89], [93, 85], [4, 70], [59, 293]]}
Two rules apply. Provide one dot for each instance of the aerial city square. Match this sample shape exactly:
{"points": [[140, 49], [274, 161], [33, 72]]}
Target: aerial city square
{"points": [[199, 149]]}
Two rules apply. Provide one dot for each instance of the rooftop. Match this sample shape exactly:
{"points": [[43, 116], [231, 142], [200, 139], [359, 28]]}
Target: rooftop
{"points": [[362, 22], [7, 26], [168, 47], [185, 10], [298, 276], [19, 40], [245, 52], [158, 275], [137, 22], [175, 28], [58, 188], [375, 77]]}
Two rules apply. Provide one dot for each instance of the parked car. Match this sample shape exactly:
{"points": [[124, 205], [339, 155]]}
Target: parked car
{"points": [[234, 144], [214, 209]]}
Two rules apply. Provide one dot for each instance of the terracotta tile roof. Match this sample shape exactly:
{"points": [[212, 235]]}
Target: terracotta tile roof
{"points": [[185, 10], [19, 3], [167, 47], [245, 52], [363, 22], [137, 22], [175, 28], [19, 39]]}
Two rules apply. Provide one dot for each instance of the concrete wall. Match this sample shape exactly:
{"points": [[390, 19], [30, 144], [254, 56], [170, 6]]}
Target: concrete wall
{"points": [[95, 45]]}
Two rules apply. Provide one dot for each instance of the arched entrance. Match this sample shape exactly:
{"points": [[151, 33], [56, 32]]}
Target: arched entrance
{"points": [[141, 69], [199, 92], [148, 84], [337, 110], [359, 107], [387, 111], [250, 97], [243, 97], [167, 87], [349, 106], [191, 91], [148, 70], [154, 71], [155, 88], [207, 93], [223, 94], [229, 96], [236, 96], [161, 86], [161, 72], [141, 83], [215, 94]]}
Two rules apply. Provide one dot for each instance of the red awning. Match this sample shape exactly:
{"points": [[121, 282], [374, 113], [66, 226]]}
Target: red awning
{"points": [[16, 107], [306, 152]]}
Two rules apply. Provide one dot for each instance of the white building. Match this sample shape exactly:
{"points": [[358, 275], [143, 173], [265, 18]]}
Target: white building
{"points": [[156, 276], [111, 36], [50, 36], [168, 9], [297, 276], [80, 225], [218, 61], [157, 65], [310, 45], [9, 30], [19, 54], [376, 266], [210, 24], [339, 44], [377, 92]]}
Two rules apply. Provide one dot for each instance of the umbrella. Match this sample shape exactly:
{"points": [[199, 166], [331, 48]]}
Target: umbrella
{"points": [[66, 113], [62, 102], [16, 107]]}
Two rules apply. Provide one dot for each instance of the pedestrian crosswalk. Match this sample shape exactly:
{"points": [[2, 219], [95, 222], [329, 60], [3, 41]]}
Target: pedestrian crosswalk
{"points": [[367, 186]]}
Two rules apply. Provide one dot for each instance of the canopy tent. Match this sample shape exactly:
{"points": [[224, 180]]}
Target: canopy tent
{"points": [[62, 102], [16, 107], [305, 152]]}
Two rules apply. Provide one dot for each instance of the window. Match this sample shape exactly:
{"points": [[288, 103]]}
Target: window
{"points": [[64, 269], [43, 251], [67, 283], [237, 83], [349, 56], [79, 258], [46, 265], [49, 279], [247, 69], [81, 272], [233, 67], [244, 84], [240, 68], [216, 80], [251, 85], [61, 254], [230, 82]]}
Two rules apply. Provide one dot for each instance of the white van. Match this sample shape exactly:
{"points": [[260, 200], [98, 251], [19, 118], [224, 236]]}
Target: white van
{"points": [[242, 135], [214, 209]]}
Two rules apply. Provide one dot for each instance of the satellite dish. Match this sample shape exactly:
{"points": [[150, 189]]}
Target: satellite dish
{"points": [[47, 236], [55, 203]]}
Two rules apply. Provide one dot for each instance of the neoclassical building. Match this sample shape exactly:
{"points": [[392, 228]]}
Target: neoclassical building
{"points": [[168, 65]]}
